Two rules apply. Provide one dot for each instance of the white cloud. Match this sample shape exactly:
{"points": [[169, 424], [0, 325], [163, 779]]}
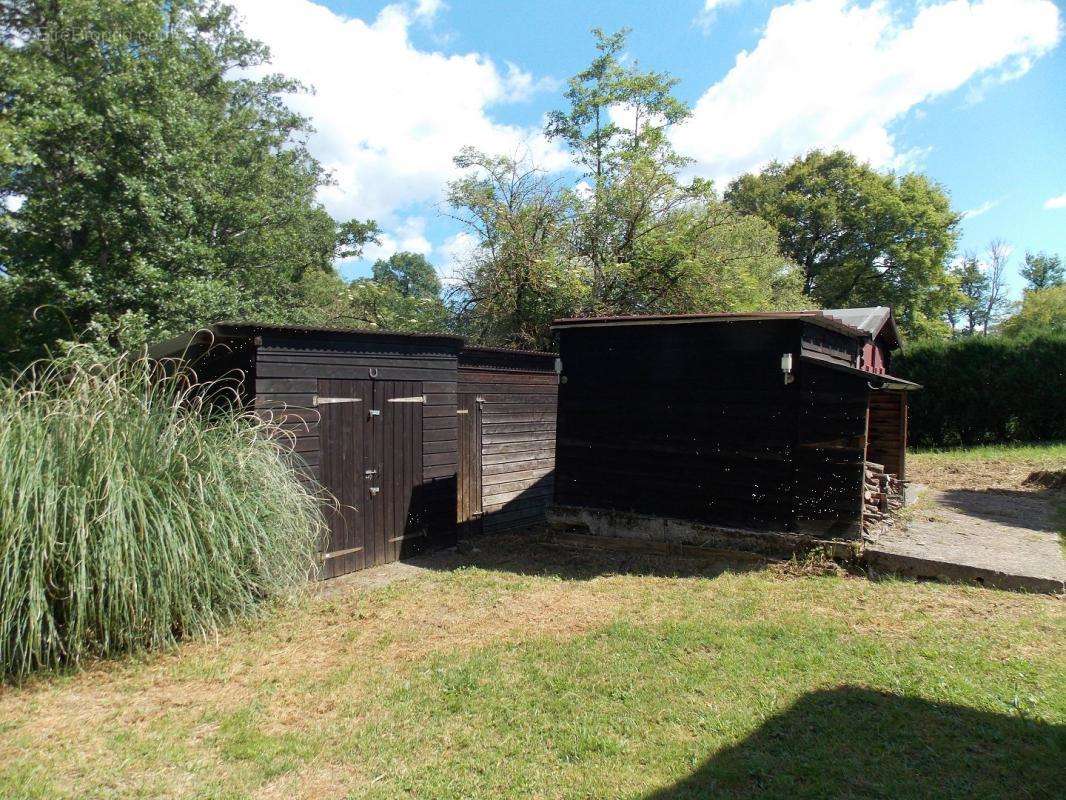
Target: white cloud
{"points": [[389, 117], [836, 73], [407, 236], [457, 251], [1055, 202], [710, 11], [985, 207], [426, 10]]}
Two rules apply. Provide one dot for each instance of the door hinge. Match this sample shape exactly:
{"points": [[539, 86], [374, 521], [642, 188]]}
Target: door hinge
{"points": [[419, 399], [322, 401]]}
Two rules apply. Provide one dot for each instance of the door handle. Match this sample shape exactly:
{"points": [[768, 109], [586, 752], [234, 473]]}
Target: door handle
{"points": [[374, 490], [370, 472]]}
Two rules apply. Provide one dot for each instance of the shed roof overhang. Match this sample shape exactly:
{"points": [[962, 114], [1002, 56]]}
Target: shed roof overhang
{"points": [[813, 317], [226, 332], [877, 381]]}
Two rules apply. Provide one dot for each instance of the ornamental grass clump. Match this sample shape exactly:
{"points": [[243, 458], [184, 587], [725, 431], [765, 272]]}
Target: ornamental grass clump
{"points": [[135, 510]]}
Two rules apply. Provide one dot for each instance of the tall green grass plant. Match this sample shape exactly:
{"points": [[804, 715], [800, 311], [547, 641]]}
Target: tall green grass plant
{"points": [[134, 511]]}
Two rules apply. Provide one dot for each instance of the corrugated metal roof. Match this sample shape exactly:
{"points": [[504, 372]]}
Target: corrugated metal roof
{"points": [[230, 329], [814, 317], [872, 320]]}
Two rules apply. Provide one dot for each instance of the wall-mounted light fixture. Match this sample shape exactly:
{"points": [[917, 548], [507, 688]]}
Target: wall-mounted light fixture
{"points": [[786, 367]]}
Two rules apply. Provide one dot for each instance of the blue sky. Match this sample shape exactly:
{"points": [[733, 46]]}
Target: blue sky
{"points": [[971, 92]]}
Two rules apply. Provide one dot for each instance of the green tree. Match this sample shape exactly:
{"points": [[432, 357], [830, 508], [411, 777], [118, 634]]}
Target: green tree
{"points": [[519, 275], [157, 189], [1042, 271], [625, 235], [967, 315], [1043, 311], [410, 274], [862, 237]]}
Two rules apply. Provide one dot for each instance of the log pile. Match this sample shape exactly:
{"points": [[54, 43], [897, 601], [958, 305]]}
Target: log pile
{"points": [[882, 496]]}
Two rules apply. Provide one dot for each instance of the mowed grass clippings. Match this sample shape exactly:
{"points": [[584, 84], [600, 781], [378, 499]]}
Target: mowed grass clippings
{"points": [[988, 467], [572, 683]]}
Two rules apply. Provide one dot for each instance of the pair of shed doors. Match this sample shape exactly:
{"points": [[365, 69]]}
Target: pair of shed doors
{"points": [[371, 445]]}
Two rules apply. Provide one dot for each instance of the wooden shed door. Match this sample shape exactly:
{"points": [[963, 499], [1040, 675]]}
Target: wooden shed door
{"points": [[469, 512], [372, 463], [342, 442], [395, 455]]}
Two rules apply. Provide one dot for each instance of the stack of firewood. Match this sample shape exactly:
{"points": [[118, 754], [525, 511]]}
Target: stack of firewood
{"points": [[882, 496]]}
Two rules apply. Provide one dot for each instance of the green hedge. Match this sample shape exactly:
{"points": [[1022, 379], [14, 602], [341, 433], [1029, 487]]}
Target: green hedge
{"points": [[986, 390]]}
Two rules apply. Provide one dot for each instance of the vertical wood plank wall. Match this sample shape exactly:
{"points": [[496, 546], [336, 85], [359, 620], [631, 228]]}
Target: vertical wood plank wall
{"points": [[888, 431], [695, 422], [690, 421], [519, 397], [830, 451], [286, 375]]}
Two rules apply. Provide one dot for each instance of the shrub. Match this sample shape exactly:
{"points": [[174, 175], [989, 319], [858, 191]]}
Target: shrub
{"points": [[134, 513], [986, 390]]}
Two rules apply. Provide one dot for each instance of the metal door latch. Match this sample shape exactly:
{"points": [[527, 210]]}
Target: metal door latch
{"points": [[375, 412], [374, 489], [370, 472]]}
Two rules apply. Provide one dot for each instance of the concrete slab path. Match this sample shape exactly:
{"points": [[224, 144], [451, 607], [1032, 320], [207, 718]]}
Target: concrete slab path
{"points": [[1007, 539]]}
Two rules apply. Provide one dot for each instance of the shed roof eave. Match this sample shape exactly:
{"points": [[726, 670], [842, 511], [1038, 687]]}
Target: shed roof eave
{"points": [[814, 317], [883, 381]]}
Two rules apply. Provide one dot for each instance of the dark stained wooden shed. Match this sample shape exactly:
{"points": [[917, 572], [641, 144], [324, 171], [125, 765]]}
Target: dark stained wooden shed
{"points": [[507, 407], [374, 420], [757, 422], [411, 433]]}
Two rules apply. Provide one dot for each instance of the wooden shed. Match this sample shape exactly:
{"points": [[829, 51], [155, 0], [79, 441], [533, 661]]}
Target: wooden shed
{"points": [[407, 440], [507, 407], [670, 426], [374, 420]]}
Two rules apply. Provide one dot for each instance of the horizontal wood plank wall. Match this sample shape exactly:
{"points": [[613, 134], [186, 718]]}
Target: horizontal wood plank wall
{"points": [[519, 394], [888, 430], [286, 379], [687, 421], [831, 450]]}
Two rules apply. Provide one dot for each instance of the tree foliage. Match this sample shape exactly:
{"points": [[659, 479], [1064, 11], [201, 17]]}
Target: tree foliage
{"points": [[862, 237], [625, 235], [409, 274], [157, 190], [1043, 311], [1042, 271]]}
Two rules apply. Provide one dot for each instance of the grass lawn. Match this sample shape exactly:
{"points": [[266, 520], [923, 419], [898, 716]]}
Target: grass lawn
{"points": [[538, 672]]}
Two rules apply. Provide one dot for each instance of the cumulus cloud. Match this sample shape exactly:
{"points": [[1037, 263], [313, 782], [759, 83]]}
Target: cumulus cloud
{"points": [[1055, 202], [408, 235], [837, 73], [389, 117]]}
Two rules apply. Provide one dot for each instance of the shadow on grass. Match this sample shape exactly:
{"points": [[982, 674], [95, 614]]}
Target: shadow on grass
{"points": [[531, 552], [853, 742], [1013, 507]]}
